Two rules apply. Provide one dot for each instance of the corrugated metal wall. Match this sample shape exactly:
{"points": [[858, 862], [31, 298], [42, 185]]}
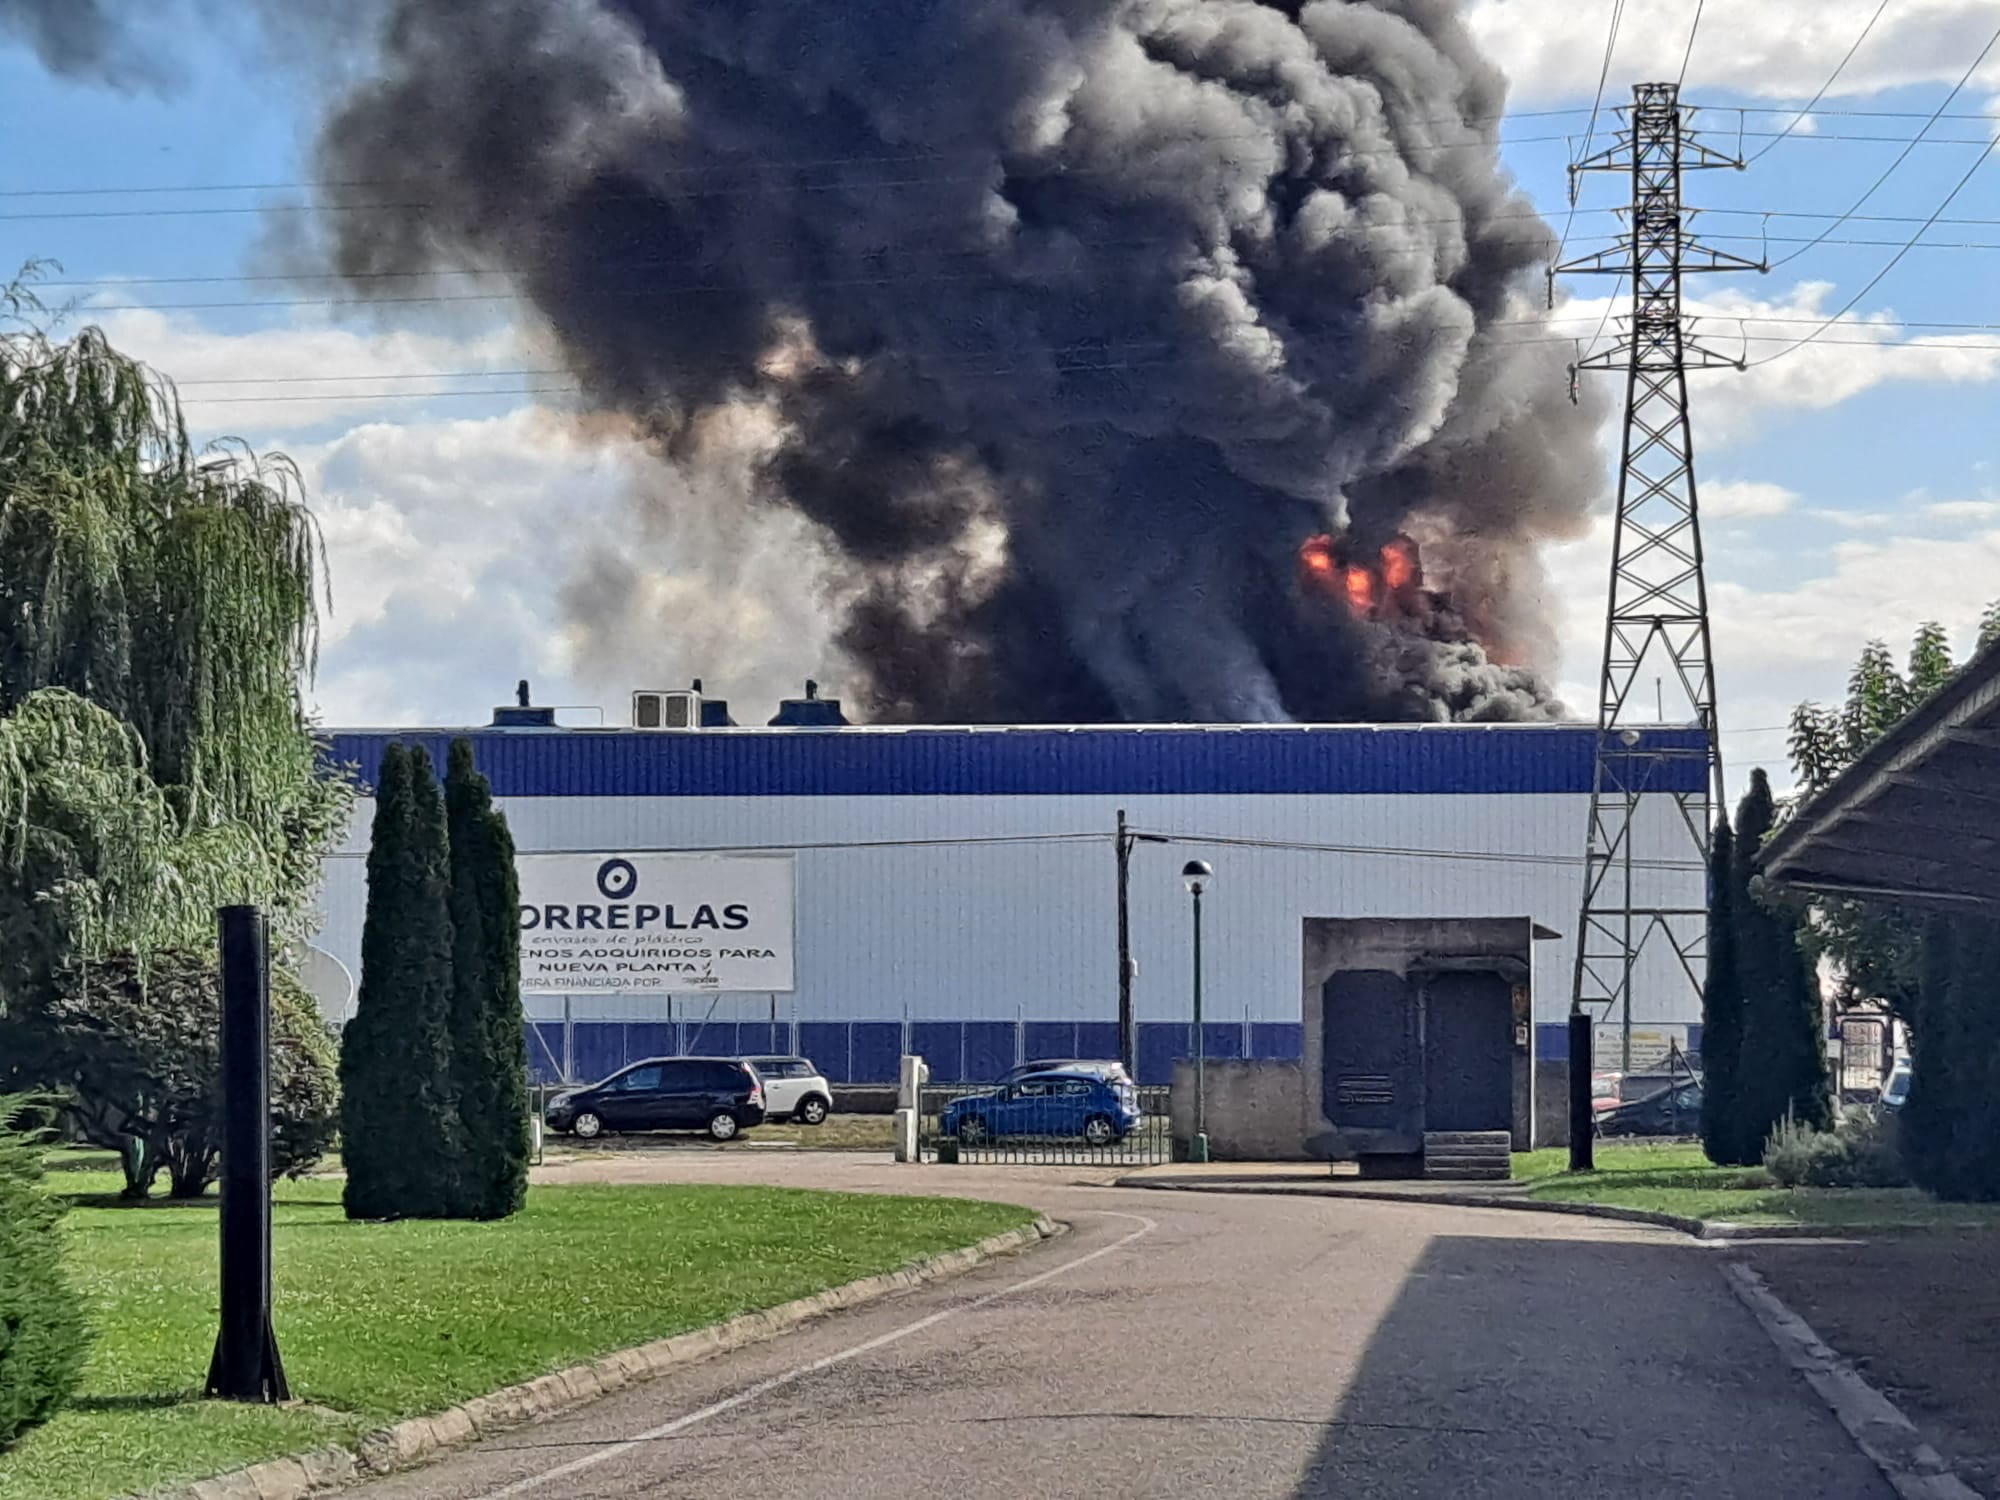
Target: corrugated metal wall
{"points": [[976, 955]]}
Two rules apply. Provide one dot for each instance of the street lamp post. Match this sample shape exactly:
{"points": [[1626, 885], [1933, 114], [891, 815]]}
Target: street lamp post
{"points": [[1197, 874]]}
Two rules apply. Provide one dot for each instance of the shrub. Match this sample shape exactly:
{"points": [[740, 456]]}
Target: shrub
{"points": [[42, 1333], [140, 1052], [1859, 1152]]}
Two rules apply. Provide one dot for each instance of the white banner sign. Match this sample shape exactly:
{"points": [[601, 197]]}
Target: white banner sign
{"points": [[654, 924]]}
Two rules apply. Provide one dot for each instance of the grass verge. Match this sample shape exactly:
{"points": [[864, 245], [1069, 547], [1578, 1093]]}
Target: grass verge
{"points": [[1678, 1179], [382, 1321]]}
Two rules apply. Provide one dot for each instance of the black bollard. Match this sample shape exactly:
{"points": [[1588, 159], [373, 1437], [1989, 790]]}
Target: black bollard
{"points": [[1582, 1119], [246, 1366]]}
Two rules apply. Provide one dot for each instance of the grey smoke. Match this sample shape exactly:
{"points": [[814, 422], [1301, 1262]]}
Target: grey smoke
{"points": [[1078, 317]]}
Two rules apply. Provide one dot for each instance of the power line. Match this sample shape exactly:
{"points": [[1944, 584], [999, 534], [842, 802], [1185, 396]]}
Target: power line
{"points": [[1904, 155], [117, 283], [1894, 260], [732, 168], [1693, 32], [737, 189], [734, 188], [1037, 370], [1832, 78], [787, 164], [1470, 856]]}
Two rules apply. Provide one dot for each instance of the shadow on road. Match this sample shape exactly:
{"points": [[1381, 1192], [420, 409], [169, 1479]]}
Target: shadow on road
{"points": [[1558, 1368]]}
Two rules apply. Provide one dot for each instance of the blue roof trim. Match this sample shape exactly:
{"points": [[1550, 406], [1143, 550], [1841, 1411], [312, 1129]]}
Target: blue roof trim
{"points": [[1323, 760]]}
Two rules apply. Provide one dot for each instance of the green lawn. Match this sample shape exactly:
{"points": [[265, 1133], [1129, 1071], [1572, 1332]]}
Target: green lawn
{"points": [[380, 1321], [1678, 1179]]}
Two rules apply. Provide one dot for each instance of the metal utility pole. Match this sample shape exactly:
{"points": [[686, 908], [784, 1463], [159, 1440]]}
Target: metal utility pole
{"points": [[245, 1365], [1128, 1040], [1657, 614], [1128, 1025]]}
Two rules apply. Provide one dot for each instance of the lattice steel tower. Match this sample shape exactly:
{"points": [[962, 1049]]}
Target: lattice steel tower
{"points": [[1656, 623]]}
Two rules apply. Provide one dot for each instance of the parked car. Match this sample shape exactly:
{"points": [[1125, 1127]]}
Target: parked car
{"points": [[1109, 1068], [1671, 1111], [1604, 1092], [793, 1089], [721, 1095], [1062, 1103], [1896, 1092]]}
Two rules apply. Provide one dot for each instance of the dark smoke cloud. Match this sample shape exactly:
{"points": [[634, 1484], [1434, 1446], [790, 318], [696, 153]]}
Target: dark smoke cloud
{"points": [[1076, 318]]}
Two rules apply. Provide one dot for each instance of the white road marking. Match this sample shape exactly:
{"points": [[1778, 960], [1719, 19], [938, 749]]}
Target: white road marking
{"points": [[765, 1387]]}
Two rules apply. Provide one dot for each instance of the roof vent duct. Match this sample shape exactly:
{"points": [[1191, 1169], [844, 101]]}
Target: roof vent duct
{"points": [[810, 712]]}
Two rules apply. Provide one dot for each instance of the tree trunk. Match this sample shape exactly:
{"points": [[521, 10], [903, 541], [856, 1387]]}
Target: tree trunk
{"points": [[190, 1165]]}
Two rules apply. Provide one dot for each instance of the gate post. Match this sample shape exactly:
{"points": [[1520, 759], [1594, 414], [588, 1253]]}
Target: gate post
{"points": [[1582, 1121], [910, 1079]]}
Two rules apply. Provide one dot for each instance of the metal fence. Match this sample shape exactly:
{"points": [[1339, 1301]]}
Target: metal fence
{"points": [[963, 1123]]}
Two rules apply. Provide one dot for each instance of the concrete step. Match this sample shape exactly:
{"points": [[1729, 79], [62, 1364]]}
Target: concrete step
{"points": [[1499, 1138], [1439, 1172]]}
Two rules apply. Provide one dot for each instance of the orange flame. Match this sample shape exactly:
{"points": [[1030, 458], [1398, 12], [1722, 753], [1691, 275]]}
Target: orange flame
{"points": [[1360, 586], [1399, 565], [1316, 556]]}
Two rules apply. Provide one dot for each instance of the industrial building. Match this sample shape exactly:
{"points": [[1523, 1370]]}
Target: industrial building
{"points": [[953, 892]]}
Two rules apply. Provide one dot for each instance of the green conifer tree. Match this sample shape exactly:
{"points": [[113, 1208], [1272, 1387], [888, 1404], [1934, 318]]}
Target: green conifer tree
{"points": [[488, 1035], [1722, 1012], [438, 1138], [374, 1112], [401, 1140]]}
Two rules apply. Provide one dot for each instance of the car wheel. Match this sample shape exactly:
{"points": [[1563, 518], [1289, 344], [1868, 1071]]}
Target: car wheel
{"points": [[972, 1131], [722, 1125], [1099, 1131], [586, 1126], [812, 1111]]}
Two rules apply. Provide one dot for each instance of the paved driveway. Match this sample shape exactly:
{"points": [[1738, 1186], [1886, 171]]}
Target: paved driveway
{"points": [[1206, 1345]]}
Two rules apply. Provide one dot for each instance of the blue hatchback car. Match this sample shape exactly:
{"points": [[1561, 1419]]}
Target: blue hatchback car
{"points": [[1061, 1104]]}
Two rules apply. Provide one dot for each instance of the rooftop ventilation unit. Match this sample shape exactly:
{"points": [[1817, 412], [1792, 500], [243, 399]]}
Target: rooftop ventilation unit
{"points": [[666, 710]]}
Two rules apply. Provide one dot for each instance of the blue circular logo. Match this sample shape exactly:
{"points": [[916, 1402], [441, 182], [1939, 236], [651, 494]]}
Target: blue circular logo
{"points": [[617, 879]]}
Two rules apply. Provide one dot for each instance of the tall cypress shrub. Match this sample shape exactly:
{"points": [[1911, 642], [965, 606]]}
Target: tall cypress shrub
{"points": [[439, 1138], [1782, 1067], [488, 1035], [374, 1100], [400, 1139], [1722, 1012], [1951, 1125], [1927, 1127], [42, 1333]]}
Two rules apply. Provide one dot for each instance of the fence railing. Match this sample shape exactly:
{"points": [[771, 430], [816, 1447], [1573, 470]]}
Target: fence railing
{"points": [[971, 1123]]}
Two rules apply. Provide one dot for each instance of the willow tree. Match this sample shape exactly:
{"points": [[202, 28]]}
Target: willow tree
{"points": [[162, 606]]}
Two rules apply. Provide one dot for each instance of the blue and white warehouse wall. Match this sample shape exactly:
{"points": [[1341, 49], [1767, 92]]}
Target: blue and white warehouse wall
{"points": [[916, 931]]}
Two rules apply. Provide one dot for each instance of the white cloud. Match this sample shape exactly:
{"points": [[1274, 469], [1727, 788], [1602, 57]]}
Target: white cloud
{"points": [[302, 376], [1777, 644], [1845, 357], [1768, 49], [1745, 499], [1964, 510]]}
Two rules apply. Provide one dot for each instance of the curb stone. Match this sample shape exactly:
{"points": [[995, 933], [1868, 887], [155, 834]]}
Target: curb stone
{"points": [[1701, 1229], [1914, 1469], [419, 1439]]}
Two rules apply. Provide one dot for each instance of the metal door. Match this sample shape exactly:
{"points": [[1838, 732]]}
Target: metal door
{"points": [[631, 1101], [683, 1097], [1372, 1082], [1468, 1052]]}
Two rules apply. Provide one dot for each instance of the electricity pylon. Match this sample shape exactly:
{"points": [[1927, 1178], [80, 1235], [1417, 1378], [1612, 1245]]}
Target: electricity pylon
{"points": [[1656, 617]]}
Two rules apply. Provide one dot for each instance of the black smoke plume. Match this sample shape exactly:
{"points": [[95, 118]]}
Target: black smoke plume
{"points": [[1073, 319]]}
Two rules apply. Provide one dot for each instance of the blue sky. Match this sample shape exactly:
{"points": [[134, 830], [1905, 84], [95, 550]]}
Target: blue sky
{"points": [[1851, 486]]}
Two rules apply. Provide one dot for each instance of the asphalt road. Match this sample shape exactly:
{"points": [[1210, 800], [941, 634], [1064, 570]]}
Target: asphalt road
{"points": [[1207, 1345]]}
